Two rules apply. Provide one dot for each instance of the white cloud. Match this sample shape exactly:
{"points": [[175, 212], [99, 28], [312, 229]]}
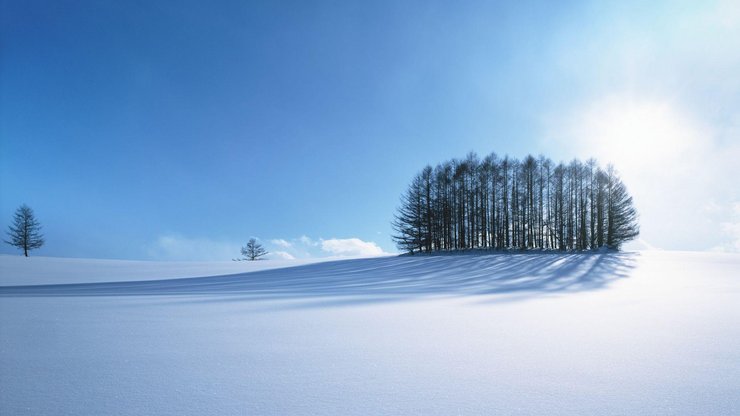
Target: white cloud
{"points": [[173, 247], [178, 248], [307, 247], [282, 255], [731, 230], [300, 247], [281, 243], [351, 247], [305, 240]]}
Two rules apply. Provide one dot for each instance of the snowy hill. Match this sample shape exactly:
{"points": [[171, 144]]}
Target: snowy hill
{"points": [[554, 334], [19, 270]]}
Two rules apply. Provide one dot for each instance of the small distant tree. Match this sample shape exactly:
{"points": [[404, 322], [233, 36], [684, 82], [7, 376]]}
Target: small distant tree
{"points": [[25, 232], [253, 250]]}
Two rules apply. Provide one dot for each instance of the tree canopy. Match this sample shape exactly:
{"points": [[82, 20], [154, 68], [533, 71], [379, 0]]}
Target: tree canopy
{"points": [[505, 203]]}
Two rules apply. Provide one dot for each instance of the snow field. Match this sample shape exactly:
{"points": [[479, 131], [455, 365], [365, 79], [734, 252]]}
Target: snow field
{"points": [[652, 333]]}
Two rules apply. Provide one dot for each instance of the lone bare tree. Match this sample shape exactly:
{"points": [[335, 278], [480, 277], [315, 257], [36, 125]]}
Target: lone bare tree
{"points": [[253, 250], [25, 231]]}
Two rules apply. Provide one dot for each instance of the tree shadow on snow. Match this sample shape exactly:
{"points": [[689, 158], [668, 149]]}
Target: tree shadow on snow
{"points": [[357, 281]]}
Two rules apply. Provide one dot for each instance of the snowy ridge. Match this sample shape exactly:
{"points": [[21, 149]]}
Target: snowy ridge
{"points": [[19, 270], [406, 276]]}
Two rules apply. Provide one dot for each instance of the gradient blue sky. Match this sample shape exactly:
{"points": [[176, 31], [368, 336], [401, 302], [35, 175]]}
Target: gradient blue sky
{"points": [[177, 130]]}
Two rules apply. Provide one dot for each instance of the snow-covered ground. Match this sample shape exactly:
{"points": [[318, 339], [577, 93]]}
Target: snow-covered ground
{"points": [[650, 333], [19, 270]]}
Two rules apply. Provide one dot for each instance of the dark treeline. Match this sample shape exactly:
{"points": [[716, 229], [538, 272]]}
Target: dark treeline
{"points": [[504, 203]]}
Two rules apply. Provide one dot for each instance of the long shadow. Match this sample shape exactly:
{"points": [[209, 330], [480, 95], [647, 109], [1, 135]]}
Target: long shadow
{"points": [[378, 279]]}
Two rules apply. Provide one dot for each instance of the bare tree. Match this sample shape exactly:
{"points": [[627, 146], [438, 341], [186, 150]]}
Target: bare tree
{"points": [[253, 250], [408, 223], [25, 231], [621, 214]]}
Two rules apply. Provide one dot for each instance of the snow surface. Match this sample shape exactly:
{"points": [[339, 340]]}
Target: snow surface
{"points": [[19, 270], [650, 333]]}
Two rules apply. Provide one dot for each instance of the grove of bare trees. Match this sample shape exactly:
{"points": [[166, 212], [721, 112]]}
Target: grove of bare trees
{"points": [[504, 203]]}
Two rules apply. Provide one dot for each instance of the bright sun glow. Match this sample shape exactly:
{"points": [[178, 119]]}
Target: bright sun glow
{"points": [[661, 152], [638, 136]]}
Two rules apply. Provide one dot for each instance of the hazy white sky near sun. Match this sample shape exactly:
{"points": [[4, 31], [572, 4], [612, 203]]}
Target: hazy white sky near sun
{"points": [[665, 110]]}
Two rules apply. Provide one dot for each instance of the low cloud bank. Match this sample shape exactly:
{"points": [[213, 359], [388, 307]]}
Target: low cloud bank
{"points": [[175, 247], [351, 247]]}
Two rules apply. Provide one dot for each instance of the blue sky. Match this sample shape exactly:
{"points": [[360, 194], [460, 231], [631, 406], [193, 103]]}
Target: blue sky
{"points": [[177, 130]]}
